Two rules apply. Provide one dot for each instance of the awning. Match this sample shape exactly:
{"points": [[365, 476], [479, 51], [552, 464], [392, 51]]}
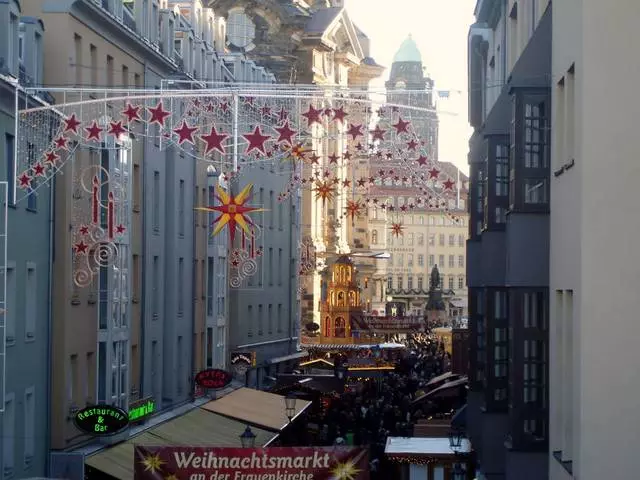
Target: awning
{"points": [[255, 407], [458, 303], [286, 358], [198, 427], [318, 362], [440, 378], [446, 389]]}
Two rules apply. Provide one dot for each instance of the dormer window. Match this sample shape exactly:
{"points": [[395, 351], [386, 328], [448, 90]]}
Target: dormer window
{"points": [[21, 47]]}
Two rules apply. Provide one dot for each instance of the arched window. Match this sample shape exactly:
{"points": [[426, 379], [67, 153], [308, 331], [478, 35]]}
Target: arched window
{"points": [[341, 299], [374, 237], [240, 28], [432, 221], [340, 328], [352, 299], [327, 327], [332, 299]]}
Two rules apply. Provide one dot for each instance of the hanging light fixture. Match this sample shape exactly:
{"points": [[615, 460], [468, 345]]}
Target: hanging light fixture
{"points": [[248, 438], [290, 406]]}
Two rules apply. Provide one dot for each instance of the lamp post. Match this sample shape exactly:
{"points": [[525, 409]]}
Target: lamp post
{"points": [[458, 473], [248, 438], [455, 442], [290, 406]]}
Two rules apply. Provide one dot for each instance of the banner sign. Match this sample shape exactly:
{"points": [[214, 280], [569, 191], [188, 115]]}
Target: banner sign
{"points": [[101, 420], [213, 378], [272, 463], [242, 361], [141, 409], [391, 323]]}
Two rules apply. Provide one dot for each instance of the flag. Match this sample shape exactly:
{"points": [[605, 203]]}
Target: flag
{"points": [[443, 93]]}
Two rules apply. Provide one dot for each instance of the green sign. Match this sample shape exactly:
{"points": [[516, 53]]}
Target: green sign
{"points": [[101, 420], [141, 409]]}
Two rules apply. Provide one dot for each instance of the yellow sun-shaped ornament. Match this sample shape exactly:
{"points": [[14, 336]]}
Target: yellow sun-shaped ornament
{"points": [[397, 229], [353, 209], [233, 211], [345, 471], [152, 463], [324, 190]]}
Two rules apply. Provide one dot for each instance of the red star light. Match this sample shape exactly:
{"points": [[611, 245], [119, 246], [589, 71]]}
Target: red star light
{"points": [[448, 185], [131, 112], [333, 158], [412, 144], [324, 191], [61, 143], [265, 110], [214, 140], [353, 209], [83, 230], [71, 124], [285, 134], [185, 133], [401, 126], [233, 211], [378, 133], [282, 115], [51, 158], [346, 183], [434, 172], [38, 170], [422, 160], [397, 229], [314, 159], [347, 156], [158, 114], [80, 247], [312, 115], [339, 114], [116, 129], [93, 132], [355, 131], [120, 229], [256, 141]]}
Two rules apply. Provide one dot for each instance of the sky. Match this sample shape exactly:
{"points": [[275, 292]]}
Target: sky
{"points": [[439, 28]]}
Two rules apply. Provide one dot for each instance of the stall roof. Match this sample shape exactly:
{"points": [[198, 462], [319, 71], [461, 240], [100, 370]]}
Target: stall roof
{"points": [[263, 409], [423, 445], [440, 378], [198, 427]]}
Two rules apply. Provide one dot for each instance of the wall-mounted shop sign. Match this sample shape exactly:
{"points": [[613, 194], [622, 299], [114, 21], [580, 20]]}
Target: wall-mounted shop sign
{"points": [[213, 378], [142, 409], [242, 361], [101, 420]]}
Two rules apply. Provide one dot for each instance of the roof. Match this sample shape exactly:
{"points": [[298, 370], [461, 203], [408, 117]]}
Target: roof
{"points": [[197, 427], [322, 19], [459, 302], [344, 259], [408, 52], [440, 378], [423, 445], [255, 407]]}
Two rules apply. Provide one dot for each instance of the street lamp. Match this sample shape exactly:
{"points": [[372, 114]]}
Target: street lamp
{"points": [[290, 406], [455, 440], [248, 438], [376, 351], [458, 473], [340, 372]]}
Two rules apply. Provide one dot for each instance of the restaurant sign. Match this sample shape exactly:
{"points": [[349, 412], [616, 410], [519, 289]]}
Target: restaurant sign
{"points": [[141, 409], [276, 463], [213, 378], [395, 324], [242, 361], [101, 420]]}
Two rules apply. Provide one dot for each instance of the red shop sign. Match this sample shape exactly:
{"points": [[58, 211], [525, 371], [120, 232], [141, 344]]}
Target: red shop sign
{"points": [[286, 463], [213, 378]]}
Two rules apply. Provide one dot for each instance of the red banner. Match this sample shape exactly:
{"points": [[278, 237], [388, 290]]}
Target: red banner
{"points": [[273, 463]]}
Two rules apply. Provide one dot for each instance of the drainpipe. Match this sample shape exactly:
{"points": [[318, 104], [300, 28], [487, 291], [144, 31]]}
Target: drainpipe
{"points": [[193, 280], [50, 325], [143, 261]]}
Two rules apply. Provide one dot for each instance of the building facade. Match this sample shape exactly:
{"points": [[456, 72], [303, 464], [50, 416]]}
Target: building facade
{"points": [[508, 247], [25, 311], [590, 210]]}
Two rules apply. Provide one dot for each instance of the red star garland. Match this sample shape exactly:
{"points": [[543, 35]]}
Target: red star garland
{"points": [[94, 132], [265, 110], [83, 230], [120, 229], [362, 182], [282, 115], [71, 124], [401, 126], [448, 185], [412, 144], [51, 158], [378, 134], [214, 140], [353, 209], [434, 173], [324, 190], [355, 131], [61, 143], [347, 156], [185, 133], [256, 141], [346, 183], [333, 158], [312, 115], [397, 229], [314, 159], [80, 247], [131, 112], [339, 114], [285, 133], [116, 129], [422, 160], [38, 170], [224, 106], [158, 114]]}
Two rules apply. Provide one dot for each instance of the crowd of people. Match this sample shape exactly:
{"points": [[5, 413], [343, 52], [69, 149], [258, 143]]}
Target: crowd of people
{"points": [[372, 409]]}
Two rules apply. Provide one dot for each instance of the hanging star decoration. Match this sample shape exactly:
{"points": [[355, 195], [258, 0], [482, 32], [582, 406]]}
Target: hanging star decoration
{"points": [[295, 153], [325, 190], [152, 463], [345, 470], [397, 229], [353, 209], [233, 211]]}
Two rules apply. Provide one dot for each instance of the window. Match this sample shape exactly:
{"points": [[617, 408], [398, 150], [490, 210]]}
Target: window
{"points": [[461, 240], [31, 303], [374, 237], [500, 369], [250, 320], [500, 306], [501, 215], [460, 282], [451, 285], [102, 372], [460, 261], [181, 212], [125, 76], [270, 318], [452, 259], [271, 208], [410, 239], [535, 191], [29, 426], [270, 266], [9, 434], [420, 239], [452, 240], [77, 42], [502, 170], [181, 282], [500, 394], [441, 261], [409, 260], [534, 310], [155, 215], [280, 267], [421, 260], [441, 239], [9, 150], [93, 54], [10, 304], [410, 283], [389, 283], [156, 287], [432, 260], [399, 282], [535, 134], [260, 319], [420, 282], [280, 215]]}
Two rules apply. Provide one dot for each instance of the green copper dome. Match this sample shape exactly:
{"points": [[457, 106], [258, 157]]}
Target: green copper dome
{"points": [[408, 52]]}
